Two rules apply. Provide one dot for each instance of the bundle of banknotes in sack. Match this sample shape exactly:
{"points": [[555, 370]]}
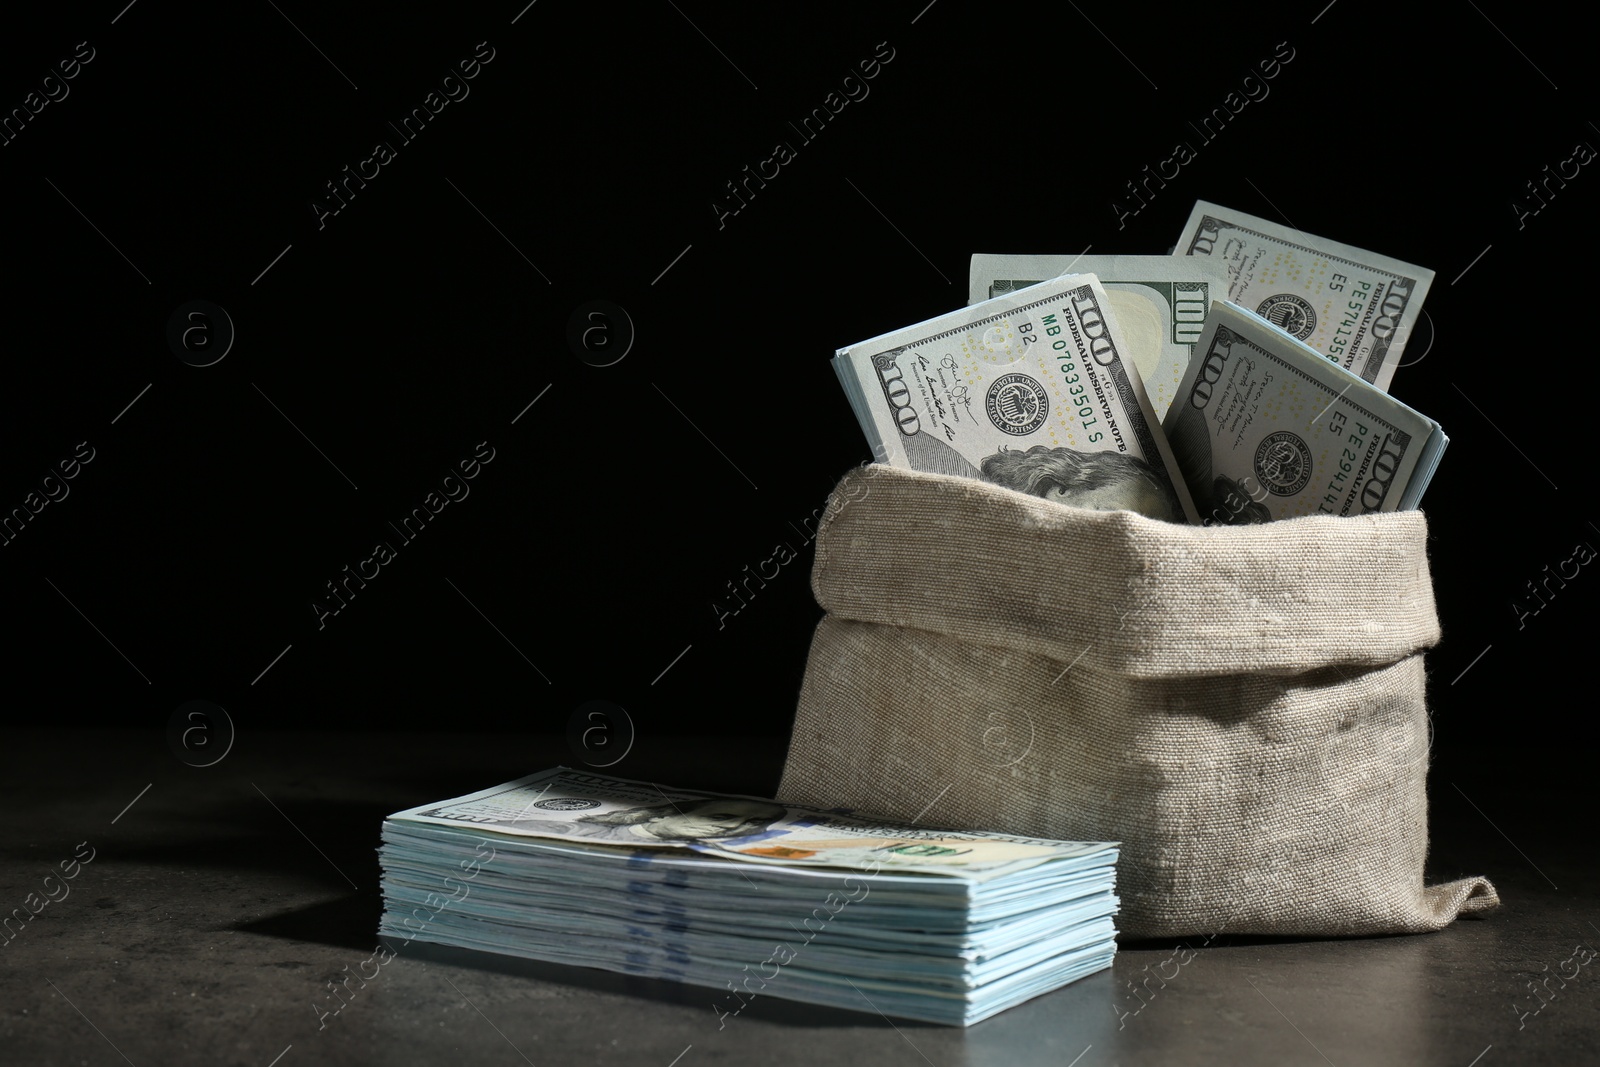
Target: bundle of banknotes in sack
{"points": [[1241, 380], [750, 897]]}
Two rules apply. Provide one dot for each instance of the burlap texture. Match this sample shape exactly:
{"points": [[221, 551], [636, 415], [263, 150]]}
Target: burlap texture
{"points": [[1243, 708]]}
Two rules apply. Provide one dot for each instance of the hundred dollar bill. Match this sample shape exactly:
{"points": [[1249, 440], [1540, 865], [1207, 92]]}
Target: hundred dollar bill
{"points": [[749, 897], [1266, 428], [587, 809], [1159, 302], [1355, 307], [1033, 390]]}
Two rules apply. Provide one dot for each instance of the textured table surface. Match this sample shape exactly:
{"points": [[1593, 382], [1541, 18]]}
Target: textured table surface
{"points": [[220, 901]]}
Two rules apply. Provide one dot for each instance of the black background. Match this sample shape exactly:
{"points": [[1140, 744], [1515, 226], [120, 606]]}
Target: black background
{"points": [[425, 316]]}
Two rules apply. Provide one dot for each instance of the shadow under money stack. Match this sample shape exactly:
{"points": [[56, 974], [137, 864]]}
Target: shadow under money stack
{"points": [[750, 897]]}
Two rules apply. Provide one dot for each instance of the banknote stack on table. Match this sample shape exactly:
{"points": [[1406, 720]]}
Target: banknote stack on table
{"points": [[750, 897], [1242, 380]]}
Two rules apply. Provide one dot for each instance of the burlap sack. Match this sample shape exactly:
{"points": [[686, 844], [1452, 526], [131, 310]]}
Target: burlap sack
{"points": [[1241, 707]]}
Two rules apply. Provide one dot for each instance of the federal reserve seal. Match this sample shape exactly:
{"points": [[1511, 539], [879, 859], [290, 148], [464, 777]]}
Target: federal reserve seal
{"points": [[565, 804], [1283, 463], [1289, 313], [1017, 404]]}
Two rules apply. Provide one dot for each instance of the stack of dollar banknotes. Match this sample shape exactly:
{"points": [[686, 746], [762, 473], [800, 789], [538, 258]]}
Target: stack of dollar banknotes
{"points": [[750, 897], [1241, 380]]}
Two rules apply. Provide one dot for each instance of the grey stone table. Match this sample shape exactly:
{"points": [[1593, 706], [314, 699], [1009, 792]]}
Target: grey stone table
{"points": [[211, 906]]}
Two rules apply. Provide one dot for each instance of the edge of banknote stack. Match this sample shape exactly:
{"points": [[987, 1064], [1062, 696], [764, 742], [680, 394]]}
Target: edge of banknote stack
{"points": [[749, 897]]}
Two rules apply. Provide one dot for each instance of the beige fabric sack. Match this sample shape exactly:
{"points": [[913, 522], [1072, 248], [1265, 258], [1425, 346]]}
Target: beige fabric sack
{"points": [[1242, 707]]}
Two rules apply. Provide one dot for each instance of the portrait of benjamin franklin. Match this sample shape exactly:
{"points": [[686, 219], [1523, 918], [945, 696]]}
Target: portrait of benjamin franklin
{"points": [[700, 820], [1100, 481]]}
